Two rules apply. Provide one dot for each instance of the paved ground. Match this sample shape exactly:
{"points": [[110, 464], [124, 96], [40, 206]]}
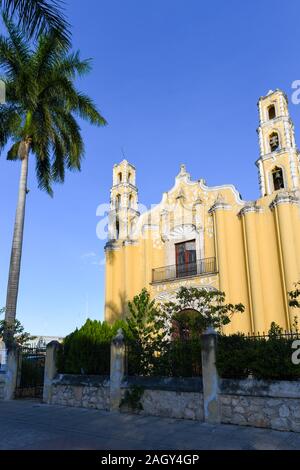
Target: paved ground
{"points": [[31, 425]]}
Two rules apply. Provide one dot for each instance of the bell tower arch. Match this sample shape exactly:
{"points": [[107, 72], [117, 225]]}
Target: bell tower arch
{"points": [[278, 164], [123, 202]]}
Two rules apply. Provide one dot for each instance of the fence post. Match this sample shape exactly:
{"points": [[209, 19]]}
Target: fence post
{"points": [[117, 369], [210, 377], [50, 369], [12, 366]]}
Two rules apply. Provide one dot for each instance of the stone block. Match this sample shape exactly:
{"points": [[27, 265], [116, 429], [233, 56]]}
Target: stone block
{"points": [[284, 411]]}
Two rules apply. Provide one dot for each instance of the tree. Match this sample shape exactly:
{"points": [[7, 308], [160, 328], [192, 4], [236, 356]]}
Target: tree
{"points": [[294, 296], [35, 17], [204, 309], [13, 334], [148, 330], [294, 301], [41, 118]]}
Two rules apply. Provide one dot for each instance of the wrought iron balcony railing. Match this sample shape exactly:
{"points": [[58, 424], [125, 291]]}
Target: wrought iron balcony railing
{"points": [[178, 271]]}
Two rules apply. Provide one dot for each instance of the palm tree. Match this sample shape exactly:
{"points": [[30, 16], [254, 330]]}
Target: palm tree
{"points": [[37, 16], [40, 118]]}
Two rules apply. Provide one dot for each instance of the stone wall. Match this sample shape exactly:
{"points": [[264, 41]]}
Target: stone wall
{"points": [[81, 391], [166, 397], [264, 404], [186, 405], [170, 397]]}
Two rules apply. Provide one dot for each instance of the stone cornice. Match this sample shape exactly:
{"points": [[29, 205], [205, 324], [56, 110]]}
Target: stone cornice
{"points": [[112, 245], [129, 242], [285, 197], [220, 204], [250, 207], [124, 184]]}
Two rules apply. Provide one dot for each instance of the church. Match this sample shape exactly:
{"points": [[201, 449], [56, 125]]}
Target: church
{"points": [[209, 238]]}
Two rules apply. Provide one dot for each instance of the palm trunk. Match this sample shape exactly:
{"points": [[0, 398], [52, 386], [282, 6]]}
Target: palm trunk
{"points": [[16, 251]]}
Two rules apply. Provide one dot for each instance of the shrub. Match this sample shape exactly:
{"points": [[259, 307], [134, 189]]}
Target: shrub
{"points": [[263, 358], [234, 356], [87, 350], [272, 360]]}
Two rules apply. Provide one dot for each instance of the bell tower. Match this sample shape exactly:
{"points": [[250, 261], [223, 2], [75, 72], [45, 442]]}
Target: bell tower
{"points": [[278, 164], [123, 212]]}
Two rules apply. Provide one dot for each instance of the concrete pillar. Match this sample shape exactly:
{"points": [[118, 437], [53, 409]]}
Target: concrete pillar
{"points": [[50, 369], [117, 369], [12, 366], [210, 377]]}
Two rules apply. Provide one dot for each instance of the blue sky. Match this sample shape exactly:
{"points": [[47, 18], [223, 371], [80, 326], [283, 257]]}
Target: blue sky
{"points": [[178, 82]]}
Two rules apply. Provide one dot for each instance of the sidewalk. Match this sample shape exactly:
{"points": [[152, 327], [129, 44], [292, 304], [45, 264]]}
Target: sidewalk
{"points": [[31, 425]]}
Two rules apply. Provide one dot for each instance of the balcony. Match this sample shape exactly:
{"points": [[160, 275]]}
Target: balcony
{"points": [[179, 271]]}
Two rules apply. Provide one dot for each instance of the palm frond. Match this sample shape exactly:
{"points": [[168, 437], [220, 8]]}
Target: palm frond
{"points": [[88, 111], [9, 123], [36, 17], [13, 153], [43, 166], [40, 87]]}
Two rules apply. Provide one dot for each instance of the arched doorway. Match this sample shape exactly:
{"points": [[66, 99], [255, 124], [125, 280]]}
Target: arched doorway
{"points": [[186, 325]]}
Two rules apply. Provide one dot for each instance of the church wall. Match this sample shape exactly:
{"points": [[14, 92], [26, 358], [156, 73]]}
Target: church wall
{"points": [[237, 291], [271, 281], [116, 294], [256, 244]]}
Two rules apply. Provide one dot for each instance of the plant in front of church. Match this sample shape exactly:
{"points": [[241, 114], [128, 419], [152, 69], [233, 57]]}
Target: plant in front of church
{"points": [[195, 310], [265, 357], [87, 349], [149, 335], [294, 301], [132, 398], [294, 296]]}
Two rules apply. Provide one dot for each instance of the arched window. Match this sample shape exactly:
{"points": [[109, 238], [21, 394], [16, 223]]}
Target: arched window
{"points": [[118, 201], [120, 177], [117, 228], [277, 176], [130, 201], [274, 141], [271, 112], [129, 177]]}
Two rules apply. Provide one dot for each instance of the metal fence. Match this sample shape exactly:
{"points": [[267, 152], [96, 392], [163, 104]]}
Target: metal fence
{"points": [[30, 379], [283, 335], [178, 358], [177, 271]]}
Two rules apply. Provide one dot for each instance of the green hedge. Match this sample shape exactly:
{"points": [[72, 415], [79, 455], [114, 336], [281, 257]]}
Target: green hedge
{"points": [[87, 350], [263, 358]]}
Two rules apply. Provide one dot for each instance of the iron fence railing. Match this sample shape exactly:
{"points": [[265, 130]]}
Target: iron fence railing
{"points": [[284, 335], [176, 358], [177, 271]]}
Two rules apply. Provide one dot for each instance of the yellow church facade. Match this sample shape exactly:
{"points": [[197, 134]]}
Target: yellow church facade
{"points": [[208, 237]]}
